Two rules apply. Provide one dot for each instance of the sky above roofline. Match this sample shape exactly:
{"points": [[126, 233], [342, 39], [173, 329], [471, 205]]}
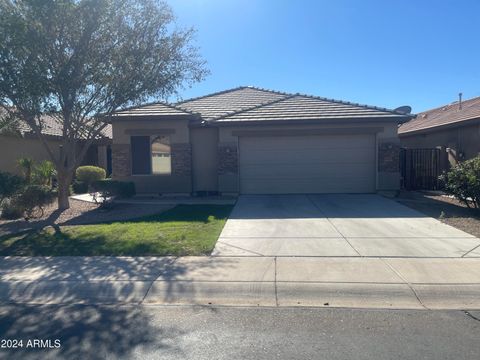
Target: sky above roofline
{"points": [[372, 52]]}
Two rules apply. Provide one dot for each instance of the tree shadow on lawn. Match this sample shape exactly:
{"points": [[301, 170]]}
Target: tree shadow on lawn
{"points": [[91, 242], [24, 225], [60, 243], [187, 213], [118, 213]]}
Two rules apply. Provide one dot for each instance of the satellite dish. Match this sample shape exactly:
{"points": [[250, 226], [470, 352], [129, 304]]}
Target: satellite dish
{"points": [[404, 109]]}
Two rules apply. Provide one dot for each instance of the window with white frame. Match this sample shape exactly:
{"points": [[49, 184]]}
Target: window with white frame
{"points": [[161, 159]]}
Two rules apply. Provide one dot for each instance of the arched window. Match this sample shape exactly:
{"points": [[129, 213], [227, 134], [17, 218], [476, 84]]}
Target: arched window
{"points": [[161, 159]]}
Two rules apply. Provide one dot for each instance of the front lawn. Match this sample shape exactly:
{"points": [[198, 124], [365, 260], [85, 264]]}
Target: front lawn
{"points": [[183, 230]]}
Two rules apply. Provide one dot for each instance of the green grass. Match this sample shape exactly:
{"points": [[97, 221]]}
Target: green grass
{"points": [[183, 230]]}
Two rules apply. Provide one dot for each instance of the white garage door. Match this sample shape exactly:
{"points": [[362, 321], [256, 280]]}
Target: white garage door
{"points": [[307, 164]]}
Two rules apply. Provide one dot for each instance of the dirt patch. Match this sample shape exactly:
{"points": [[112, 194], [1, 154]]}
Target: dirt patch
{"points": [[447, 210], [81, 213]]}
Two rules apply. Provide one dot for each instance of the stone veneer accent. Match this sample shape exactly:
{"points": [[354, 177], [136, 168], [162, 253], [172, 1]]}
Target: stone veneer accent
{"points": [[227, 159], [121, 166], [181, 159], [389, 157]]}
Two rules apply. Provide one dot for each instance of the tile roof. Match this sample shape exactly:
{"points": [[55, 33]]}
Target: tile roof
{"points": [[53, 127], [158, 108], [301, 107], [446, 115], [225, 102], [251, 104]]}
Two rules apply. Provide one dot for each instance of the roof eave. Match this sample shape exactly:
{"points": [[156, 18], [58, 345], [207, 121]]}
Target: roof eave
{"points": [[103, 139], [116, 118], [396, 119]]}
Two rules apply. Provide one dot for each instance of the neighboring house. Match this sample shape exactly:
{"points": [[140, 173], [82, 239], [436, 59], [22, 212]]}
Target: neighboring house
{"points": [[455, 128], [24, 143], [254, 141]]}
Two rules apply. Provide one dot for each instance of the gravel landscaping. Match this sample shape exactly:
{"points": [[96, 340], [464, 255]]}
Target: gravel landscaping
{"points": [[444, 208]]}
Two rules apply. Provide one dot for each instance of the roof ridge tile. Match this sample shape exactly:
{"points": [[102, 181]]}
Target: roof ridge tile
{"points": [[178, 103], [270, 90]]}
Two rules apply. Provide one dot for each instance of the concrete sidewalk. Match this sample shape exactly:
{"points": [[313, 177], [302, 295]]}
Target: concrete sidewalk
{"points": [[402, 283]]}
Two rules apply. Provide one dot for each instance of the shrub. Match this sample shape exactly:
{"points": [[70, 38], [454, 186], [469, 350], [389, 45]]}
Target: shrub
{"points": [[43, 173], [11, 210], [104, 189], [33, 198], [90, 174], [79, 187], [463, 182], [26, 166], [9, 185]]}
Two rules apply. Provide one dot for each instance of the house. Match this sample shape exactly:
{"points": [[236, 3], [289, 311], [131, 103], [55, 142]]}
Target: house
{"points": [[249, 140], [24, 143], [455, 128]]}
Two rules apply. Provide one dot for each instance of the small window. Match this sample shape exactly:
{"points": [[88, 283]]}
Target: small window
{"points": [[161, 159]]}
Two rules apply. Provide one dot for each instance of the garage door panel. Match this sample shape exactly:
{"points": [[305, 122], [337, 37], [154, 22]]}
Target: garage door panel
{"points": [[309, 142], [290, 170], [307, 164], [309, 186], [324, 157]]}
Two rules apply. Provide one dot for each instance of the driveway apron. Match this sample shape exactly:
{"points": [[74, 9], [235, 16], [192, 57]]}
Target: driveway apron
{"points": [[336, 225]]}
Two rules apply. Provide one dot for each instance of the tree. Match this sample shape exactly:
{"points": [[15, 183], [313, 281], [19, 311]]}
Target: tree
{"points": [[80, 60], [8, 124]]}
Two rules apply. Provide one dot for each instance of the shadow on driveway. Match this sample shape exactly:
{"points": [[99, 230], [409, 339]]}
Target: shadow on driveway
{"points": [[320, 206]]}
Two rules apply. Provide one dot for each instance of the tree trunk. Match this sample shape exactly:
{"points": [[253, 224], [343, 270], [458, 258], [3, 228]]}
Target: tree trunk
{"points": [[63, 191]]}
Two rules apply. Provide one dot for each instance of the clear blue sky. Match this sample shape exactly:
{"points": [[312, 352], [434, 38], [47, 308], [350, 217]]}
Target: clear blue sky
{"points": [[377, 52]]}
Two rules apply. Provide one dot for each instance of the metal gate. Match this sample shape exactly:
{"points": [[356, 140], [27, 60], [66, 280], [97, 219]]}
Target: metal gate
{"points": [[420, 169]]}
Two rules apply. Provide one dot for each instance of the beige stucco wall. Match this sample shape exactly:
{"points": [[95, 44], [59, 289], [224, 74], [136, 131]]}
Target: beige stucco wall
{"points": [[464, 139], [153, 184], [13, 148], [386, 180], [214, 152], [181, 134]]}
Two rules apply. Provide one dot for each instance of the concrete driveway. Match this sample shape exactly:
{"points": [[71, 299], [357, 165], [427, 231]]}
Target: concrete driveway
{"points": [[337, 225]]}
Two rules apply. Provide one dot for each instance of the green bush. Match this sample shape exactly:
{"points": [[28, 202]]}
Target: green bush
{"points": [[11, 210], [33, 198], [26, 167], [79, 187], [104, 189], [463, 182], [43, 173], [9, 185], [90, 174]]}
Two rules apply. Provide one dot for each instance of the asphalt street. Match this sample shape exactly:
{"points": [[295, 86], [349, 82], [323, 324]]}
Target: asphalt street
{"points": [[193, 332]]}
